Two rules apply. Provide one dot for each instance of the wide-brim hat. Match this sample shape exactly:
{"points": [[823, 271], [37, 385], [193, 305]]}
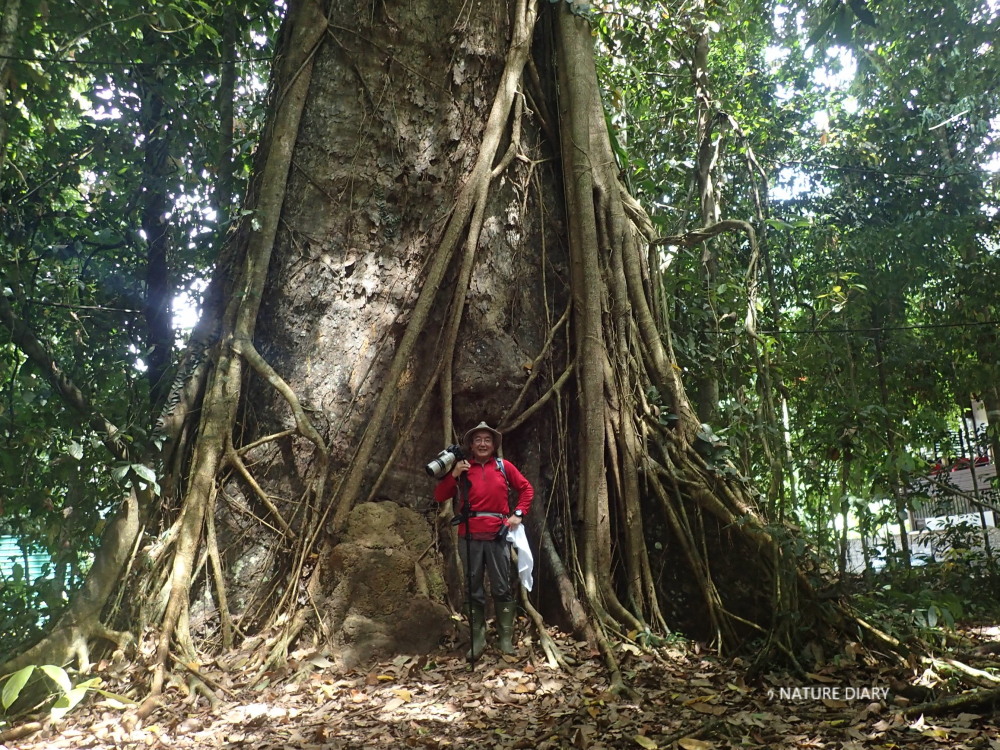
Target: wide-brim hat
{"points": [[482, 427]]}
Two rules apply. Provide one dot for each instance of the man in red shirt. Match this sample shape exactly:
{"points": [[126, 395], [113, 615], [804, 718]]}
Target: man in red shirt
{"points": [[481, 484]]}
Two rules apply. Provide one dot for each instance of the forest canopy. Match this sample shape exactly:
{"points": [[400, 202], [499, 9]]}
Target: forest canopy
{"points": [[793, 223]]}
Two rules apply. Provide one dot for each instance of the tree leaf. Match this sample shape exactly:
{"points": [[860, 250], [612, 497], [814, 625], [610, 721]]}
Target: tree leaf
{"points": [[12, 688], [58, 676], [689, 743], [144, 472], [68, 701], [116, 700]]}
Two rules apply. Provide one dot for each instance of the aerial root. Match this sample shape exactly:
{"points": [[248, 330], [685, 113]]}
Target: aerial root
{"points": [[246, 349], [553, 655], [199, 682], [218, 576], [237, 463]]}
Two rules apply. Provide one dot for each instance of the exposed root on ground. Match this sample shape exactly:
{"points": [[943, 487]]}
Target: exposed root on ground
{"points": [[954, 704]]}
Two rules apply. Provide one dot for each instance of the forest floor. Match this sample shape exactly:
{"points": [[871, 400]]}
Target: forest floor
{"points": [[683, 697]]}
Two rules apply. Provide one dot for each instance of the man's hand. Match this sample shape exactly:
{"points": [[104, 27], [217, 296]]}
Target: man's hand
{"points": [[460, 468], [513, 521]]}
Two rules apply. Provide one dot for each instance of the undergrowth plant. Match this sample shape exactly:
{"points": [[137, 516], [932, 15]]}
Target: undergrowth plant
{"points": [[58, 692]]}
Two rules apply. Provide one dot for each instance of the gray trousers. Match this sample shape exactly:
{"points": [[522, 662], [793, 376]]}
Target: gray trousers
{"points": [[491, 557]]}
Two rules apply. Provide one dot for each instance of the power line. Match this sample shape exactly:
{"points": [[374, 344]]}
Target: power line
{"points": [[915, 327], [875, 171], [132, 63]]}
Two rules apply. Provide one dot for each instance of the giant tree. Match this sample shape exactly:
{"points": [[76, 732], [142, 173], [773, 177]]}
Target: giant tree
{"points": [[436, 233]]}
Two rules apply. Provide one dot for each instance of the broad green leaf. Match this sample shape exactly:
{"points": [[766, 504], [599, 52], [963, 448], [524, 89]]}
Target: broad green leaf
{"points": [[144, 472], [58, 676], [932, 615], [14, 684], [69, 700]]}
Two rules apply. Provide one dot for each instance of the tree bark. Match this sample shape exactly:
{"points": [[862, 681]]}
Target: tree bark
{"points": [[9, 21], [156, 204], [402, 270]]}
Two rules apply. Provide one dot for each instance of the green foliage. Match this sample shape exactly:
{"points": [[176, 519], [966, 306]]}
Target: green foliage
{"points": [[27, 605], [59, 692], [908, 612], [925, 602], [875, 277], [917, 605], [877, 302], [112, 129]]}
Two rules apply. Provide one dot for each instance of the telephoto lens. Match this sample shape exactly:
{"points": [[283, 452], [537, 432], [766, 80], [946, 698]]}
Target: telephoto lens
{"points": [[441, 463]]}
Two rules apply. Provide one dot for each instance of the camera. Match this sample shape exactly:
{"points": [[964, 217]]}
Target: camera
{"points": [[443, 462]]}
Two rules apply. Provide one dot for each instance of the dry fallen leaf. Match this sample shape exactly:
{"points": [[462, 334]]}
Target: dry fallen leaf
{"points": [[393, 704], [689, 743], [820, 677], [707, 708], [440, 702]]}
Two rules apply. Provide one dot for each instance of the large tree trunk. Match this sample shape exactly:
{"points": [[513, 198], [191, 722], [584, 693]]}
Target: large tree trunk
{"points": [[437, 235]]}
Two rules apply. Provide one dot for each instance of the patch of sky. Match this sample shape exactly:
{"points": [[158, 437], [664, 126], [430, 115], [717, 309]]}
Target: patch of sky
{"points": [[834, 76], [105, 111], [992, 163], [187, 307]]}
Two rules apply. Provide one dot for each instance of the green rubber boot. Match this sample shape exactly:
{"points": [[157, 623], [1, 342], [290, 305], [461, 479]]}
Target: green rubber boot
{"points": [[477, 626], [505, 626]]}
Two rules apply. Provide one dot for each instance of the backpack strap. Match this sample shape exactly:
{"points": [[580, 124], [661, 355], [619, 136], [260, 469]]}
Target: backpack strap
{"points": [[505, 479], [504, 472]]}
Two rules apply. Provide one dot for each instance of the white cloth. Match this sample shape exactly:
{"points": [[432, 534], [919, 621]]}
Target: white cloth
{"points": [[525, 562]]}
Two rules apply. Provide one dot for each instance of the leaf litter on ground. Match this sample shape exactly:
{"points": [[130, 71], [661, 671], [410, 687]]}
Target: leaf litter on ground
{"points": [[681, 697]]}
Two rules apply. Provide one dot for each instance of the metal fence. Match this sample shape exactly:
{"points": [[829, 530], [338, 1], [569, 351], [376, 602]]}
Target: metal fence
{"points": [[961, 490], [33, 565]]}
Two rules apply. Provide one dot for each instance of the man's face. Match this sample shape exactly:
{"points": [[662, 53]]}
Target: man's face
{"points": [[482, 445]]}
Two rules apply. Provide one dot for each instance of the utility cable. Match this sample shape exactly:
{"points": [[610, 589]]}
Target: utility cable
{"points": [[132, 63], [914, 327]]}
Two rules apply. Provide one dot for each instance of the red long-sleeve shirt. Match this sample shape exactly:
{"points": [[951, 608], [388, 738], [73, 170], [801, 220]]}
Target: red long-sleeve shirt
{"points": [[487, 494]]}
